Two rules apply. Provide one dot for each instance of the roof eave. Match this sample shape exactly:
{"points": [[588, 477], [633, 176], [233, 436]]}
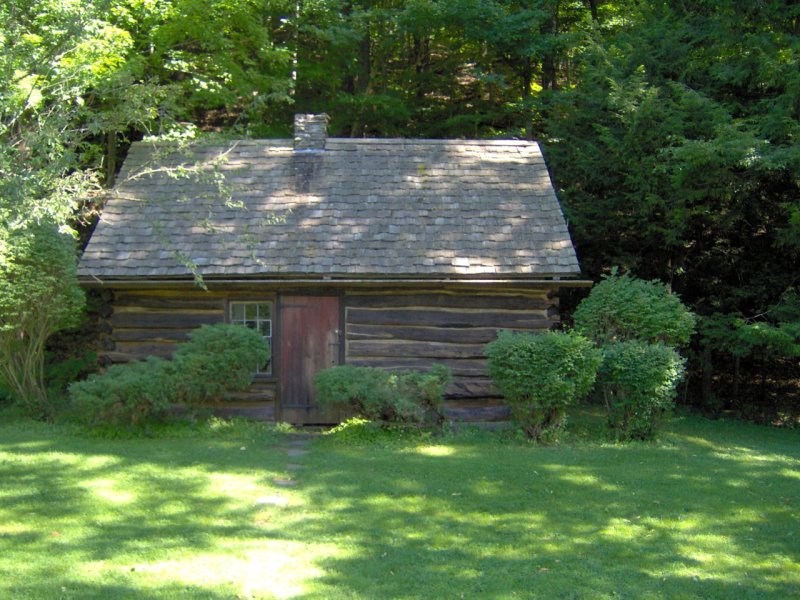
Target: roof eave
{"points": [[570, 280]]}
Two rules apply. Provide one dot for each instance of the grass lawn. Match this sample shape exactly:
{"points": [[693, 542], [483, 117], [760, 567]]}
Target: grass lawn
{"points": [[711, 511]]}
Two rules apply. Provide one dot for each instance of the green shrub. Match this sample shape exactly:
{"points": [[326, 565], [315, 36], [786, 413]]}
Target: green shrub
{"points": [[39, 295], [357, 431], [622, 307], [638, 382], [59, 373], [381, 395], [218, 359], [130, 394], [426, 390], [366, 390], [540, 375]]}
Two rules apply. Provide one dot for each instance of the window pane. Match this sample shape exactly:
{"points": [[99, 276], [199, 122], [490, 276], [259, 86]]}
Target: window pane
{"points": [[237, 312], [264, 311], [258, 316], [266, 328], [250, 311]]}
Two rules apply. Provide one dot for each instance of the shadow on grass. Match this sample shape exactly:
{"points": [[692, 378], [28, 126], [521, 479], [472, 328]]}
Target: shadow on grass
{"points": [[641, 521], [712, 513], [81, 516]]}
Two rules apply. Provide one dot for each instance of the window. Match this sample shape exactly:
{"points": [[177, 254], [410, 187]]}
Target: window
{"points": [[258, 316]]}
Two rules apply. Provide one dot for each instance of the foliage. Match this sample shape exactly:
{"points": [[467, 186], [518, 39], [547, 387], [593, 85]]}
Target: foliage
{"points": [[763, 342], [131, 394], [359, 431], [637, 323], [621, 308], [59, 374], [677, 157], [367, 390], [775, 333], [540, 375], [380, 395], [39, 295], [217, 359], [638, 380], [426, 390], [216, 55]]}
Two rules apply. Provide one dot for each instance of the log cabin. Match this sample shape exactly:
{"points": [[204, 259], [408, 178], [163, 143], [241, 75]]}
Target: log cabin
{"points": [[395, 253]]}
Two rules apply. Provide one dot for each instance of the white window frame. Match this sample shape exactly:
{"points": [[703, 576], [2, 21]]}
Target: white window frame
{"points": [[255, 323]]}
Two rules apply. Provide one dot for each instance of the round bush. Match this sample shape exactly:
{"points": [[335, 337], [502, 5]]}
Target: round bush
{"points": [[217, 359], [638, 382], [541, 374], [622, 307]]}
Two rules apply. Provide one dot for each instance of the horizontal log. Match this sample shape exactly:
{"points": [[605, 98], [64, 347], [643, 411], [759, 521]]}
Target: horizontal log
{"points": [[184, 310], [454, 335], [200, 301], [170, 336], [472, 388], [478, 413], [251, 395], [118, 357], [164, 350], [402, 349], [164, 320], [260, 384], [447, 318], [511, 302], [459, 367]]}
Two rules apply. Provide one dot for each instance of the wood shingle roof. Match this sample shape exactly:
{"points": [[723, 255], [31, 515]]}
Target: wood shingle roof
{"points": [[358, 208]]}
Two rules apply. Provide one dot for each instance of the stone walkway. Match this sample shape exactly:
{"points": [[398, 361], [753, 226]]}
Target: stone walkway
{"points": [[295, 448]]}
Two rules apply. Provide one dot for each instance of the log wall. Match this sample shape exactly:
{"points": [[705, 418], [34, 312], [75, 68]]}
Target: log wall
{"points": [[415, 329], [142, 323], [145, 323], [394, 329]]}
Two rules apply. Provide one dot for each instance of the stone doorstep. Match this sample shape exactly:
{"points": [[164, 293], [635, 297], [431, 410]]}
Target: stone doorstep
{"points": [[273, 501], [298, 443], [284, 481]]}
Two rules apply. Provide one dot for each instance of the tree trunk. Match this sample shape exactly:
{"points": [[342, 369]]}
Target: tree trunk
{"points": [[549, 74], [362, 80], [421, 59], [549, 69], [708, 372], [593, 9], [111, 158], [527, 81]]}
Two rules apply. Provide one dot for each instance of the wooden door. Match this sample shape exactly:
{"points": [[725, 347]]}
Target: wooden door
{"points": [[309, 331]]}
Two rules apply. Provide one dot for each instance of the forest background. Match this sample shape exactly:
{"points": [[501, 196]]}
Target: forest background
{"points": [[671, 129]]}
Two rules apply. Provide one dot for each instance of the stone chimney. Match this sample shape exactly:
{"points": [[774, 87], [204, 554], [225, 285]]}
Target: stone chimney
{"points": [[310, 132]]}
